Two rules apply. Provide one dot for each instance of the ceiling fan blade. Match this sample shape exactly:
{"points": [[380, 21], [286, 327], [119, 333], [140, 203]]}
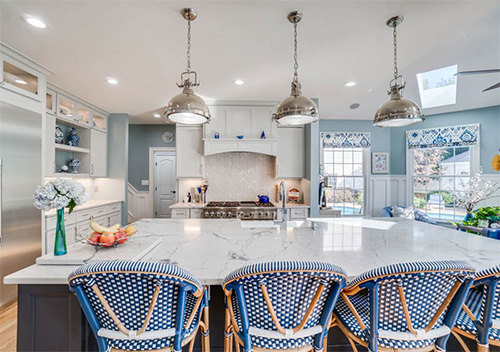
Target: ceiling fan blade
{"points": [[495, 86], [477, 72]]}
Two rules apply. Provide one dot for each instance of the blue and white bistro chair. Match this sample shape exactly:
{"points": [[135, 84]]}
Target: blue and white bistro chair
{"points": [[141, 306], [480, 316], [404, 307], [281, 305]]}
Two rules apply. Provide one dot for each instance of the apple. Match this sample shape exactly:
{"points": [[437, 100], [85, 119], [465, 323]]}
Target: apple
{"points": [[107, 239], [94, 238], [121, 236]]}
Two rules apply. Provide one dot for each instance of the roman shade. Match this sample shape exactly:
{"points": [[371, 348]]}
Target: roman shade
{"points": [[345, 139], [453, 136]]}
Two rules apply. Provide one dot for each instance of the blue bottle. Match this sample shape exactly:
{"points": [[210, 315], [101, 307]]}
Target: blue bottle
{"points": [[216, 136], [263, 135]]}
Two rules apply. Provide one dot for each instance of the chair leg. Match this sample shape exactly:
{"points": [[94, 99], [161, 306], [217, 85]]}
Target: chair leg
{"points": [[483, 348], [191, 344], [205, 332], [228, 334], [325, 344], [461, 341], [353, 344]]}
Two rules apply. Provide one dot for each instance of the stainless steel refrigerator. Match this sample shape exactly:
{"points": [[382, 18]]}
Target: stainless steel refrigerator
{"points": [[20, 174]]}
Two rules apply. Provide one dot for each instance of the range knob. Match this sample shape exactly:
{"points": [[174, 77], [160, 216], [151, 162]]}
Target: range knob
{"points": [[206, 214], [223, 214], [218, 214], [255, 214], [212, 213], [229, 214], [239, 214]]}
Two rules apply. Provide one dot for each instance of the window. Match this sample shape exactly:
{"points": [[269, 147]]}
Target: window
{"points": [[438, 87], [344, 168], [436, 173]]}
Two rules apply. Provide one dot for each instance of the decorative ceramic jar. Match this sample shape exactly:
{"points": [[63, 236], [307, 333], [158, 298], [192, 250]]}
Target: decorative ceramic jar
{"points": [[59, 135], [73, 138], [216, 135], [73, 164]]}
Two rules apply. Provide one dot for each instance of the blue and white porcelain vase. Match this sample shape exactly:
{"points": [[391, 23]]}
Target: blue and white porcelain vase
{"points": [[59, 135], [73, 164], [73, 138]]}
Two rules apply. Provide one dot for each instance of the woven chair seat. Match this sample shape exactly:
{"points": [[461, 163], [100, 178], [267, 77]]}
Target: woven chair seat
{"points": [[476, 303], [128, 288], [291, 288], [412, 304]]}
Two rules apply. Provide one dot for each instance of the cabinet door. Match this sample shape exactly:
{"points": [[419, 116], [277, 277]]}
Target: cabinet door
{"points": [[98, 154], [50, 101], [195, 213], [115, 218], [290, 158], [189, 150], [180, 213]]}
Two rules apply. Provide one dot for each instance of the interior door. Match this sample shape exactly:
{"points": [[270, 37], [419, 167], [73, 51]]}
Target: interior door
{"points": [[165, 184]]}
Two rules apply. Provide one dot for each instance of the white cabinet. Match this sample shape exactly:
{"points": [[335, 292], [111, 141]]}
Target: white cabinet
{"points": [[50, 101], [290, 157], [49, 140], [178, 213], [189, 152], [195, 213], [115, 218], [98, 154], [293, 213]]}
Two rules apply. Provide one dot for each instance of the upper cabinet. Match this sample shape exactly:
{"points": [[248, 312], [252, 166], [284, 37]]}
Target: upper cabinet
{"points": [[290, 158], [50, 102], [83, 114], [189, 152], [100, 121], [20, 78], [243, 128], [98, 154]]}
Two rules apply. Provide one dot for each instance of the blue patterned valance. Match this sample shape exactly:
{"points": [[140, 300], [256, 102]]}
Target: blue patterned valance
{"points": [[345, 139], [454, 136]]}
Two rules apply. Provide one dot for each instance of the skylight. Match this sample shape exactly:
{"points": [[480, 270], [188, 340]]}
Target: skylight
{"points": [[438, 87]]}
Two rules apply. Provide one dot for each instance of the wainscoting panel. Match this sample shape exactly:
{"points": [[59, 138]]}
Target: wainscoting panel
{"points": [[138, 204], [387, 190]]}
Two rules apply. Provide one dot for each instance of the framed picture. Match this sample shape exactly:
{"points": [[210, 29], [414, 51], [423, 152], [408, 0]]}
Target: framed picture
{"points": [[380, 163]]}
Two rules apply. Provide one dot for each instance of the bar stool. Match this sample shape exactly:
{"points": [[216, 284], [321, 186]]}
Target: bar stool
{"points": [[479, 318], [281, 305], [410, 306], [138, 306]]}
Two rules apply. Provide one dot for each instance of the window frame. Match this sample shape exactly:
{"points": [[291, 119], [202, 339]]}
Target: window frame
{"points": [[474, 168], [366, 161]]}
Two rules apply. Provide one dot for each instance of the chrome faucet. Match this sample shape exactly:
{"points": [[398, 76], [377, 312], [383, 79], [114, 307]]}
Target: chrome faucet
{"points": [[282, 191]]}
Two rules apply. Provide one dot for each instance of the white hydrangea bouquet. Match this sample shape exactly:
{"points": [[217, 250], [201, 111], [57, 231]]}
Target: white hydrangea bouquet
{"points": [[60, 194]]}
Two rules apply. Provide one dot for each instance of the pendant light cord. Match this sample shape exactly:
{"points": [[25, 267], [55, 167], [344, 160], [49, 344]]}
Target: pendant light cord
{"points": [[395, 38], [188, 67], [295, 57]]}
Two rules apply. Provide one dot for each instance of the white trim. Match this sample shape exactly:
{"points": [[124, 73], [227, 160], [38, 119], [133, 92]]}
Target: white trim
{"points": [[138, 204], [152, 151], [421, 334]]}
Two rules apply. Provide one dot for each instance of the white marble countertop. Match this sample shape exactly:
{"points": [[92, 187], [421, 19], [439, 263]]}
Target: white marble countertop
{"points": [[89, 204], [211, 248], [182, 205]]}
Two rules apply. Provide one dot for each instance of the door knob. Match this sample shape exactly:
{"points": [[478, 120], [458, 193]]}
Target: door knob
{"points": [[173, 191]]}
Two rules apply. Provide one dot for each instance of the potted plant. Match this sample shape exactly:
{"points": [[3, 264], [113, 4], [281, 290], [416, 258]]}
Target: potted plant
{"points": [[60, 194]]}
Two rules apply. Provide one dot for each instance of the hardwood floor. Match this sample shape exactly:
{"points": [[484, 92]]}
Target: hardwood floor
{"points": [[8, 331]]}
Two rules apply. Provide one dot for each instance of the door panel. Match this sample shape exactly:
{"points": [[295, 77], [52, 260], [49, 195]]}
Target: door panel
{"points": [[165, 184]]}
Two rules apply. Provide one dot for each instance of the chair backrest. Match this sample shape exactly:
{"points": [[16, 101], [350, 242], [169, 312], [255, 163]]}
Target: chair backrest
{"points": [[487, 282], [415, 297], [124, 291], [301, 295]]}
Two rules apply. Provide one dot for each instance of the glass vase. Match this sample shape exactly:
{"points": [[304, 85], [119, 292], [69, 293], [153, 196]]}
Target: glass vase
{"points": [[468, 216], [60, 241]]}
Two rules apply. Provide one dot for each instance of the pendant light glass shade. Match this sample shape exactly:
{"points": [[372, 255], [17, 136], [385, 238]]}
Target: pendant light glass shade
{"points": [[297, 109], [398, 111], [187, 107]]}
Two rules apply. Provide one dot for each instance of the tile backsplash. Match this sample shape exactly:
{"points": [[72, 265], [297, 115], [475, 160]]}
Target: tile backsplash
{"points": [[242, 176]]}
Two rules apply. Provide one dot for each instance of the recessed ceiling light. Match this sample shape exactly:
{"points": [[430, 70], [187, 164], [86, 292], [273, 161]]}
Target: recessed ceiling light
{"points": [[112, 81], [34, 21], [370, 90], [354, 106], [239, 82], [20, 81], [349, 84], [157, 116]]}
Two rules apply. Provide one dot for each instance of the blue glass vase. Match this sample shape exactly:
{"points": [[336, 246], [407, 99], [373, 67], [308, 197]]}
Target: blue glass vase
{"points": [[60, 241], [468, 216]]}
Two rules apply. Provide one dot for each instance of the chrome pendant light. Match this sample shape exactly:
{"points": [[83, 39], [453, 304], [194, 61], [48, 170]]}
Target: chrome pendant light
{"points": [[187, 107], [297, 109], [398, 111]]}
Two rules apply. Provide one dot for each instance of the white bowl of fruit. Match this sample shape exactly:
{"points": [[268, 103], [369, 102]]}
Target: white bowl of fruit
{"points": [[108, 236]]}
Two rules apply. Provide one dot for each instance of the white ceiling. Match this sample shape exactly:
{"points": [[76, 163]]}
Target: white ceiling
{"points": [[143, 45]]}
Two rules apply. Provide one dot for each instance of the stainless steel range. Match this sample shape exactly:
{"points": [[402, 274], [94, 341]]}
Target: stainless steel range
{"points": [[241, 210]]}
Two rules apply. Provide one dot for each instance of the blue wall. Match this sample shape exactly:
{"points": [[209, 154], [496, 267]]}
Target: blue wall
{"points": [[392, 140], [142, 137]]}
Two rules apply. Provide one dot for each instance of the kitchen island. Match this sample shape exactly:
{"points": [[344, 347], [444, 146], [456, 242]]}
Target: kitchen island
{"points": [[50, 317]]}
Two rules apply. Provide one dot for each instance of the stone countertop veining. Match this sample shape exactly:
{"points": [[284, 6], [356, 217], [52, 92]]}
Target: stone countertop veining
{"points": [[89, 204], [212, 248]]}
